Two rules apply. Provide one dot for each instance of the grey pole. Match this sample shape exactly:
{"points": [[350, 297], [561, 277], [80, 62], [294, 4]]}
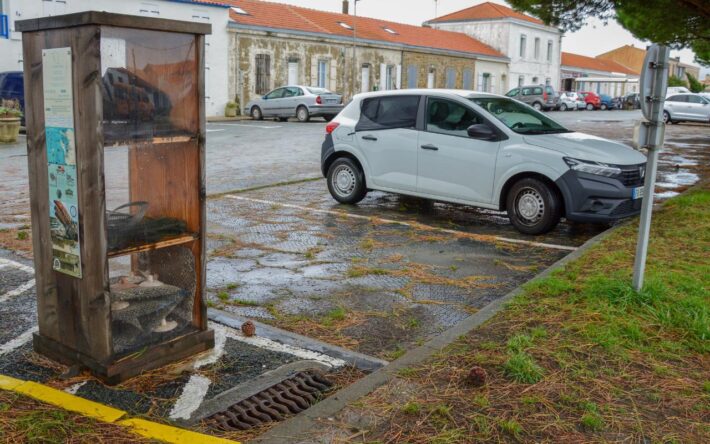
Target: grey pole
{"points": [[650, 135]]}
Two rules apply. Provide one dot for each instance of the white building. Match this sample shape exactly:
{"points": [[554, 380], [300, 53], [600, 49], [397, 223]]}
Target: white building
{"points": [[532, 47], [582, 73], [217, 45]]}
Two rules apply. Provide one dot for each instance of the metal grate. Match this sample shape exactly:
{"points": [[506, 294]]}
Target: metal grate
{"points": [[289, 397], [626, 207], [632, 176], [263, 73]]}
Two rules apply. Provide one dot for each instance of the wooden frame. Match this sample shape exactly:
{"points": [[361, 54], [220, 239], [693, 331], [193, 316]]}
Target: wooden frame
{"points": [[74, 315]]}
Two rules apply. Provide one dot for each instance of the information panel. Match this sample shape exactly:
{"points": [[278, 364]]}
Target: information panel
{"points": [[61, 159]]}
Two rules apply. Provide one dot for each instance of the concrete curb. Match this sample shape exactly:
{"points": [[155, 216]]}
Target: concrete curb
{"points": [[301, 426], [359, 360]]}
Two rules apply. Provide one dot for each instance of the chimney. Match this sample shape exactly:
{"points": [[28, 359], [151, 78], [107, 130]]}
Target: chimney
{"points": [[346, 7]]}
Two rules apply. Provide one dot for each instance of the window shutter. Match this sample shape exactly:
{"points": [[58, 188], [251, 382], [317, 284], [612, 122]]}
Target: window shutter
{"points": [[383, 77], [398, 82], [479, 87], [493, 84]]}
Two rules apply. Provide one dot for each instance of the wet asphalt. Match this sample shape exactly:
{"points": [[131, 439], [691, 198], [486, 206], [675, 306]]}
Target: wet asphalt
{"points": [[380, 277]]}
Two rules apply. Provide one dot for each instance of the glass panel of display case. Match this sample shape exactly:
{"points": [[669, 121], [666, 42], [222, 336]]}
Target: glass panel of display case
{"points": [[149, 85]]}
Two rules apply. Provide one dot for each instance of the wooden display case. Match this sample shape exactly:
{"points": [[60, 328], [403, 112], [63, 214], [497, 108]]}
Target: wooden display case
{"points": [[116, 146]]}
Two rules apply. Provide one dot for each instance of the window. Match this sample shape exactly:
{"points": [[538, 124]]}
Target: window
{"points": [[390, 31], [537, 48], [467, 78], [523, 42], [548, 82], [450, 78], [293, 92], [322, 73], [450, 118], [537, 91], [412, 76], [527, 91], [390, 77], [519, 117], [345, 25], [513, 92], [695, 99], [521, 80], [534, 80], [486, 82], [263, 73], [391, 112], [549, 50], [239, 10], [276, 94]]}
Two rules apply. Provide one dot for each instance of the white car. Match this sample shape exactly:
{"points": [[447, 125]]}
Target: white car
{"points": [[479, 149], [686, 107], [672, 90], [571, 101]]}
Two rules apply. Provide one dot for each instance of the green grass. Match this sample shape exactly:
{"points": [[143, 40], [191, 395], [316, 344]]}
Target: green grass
{"points": [[358, 271], [411, 408], [223, 296], [521, 367], [22, 235], [511, 427]]}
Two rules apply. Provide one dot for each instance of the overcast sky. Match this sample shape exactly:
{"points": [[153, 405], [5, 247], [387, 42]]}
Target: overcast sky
{"points": [[594, 39]]}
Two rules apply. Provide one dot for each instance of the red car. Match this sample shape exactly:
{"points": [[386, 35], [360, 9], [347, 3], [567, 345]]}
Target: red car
{"points": [[592, 100]]}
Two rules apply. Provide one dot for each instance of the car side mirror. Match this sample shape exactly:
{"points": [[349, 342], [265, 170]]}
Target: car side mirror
{"points": [[481, 131]]}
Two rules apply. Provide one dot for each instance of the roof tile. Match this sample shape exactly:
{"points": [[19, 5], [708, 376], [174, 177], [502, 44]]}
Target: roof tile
{"points": [[484, 11], [584, 62]]}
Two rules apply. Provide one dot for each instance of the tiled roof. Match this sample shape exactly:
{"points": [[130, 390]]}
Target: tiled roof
{"points": [[485, 11], [293, 18], [584, 62], [205, 2]]}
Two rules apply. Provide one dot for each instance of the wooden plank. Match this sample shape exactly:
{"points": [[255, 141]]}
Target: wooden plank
{"points": [[165, 243], [111, 19], [200, 307]]}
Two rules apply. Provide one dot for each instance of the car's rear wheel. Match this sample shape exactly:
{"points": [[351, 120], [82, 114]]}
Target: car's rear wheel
{"points": [[534, 207], [563, 107], [590, 107], [302, 114], [346, 181], [537, 106], [603, 107], [256, 113]]}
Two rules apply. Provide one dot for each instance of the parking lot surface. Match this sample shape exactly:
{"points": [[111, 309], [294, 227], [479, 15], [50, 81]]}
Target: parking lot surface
{"points": [[377, 278]]}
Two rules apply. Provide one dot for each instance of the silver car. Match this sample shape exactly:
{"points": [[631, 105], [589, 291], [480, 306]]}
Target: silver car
{"points": [[686, 107], [302, 102], [571, 101]]}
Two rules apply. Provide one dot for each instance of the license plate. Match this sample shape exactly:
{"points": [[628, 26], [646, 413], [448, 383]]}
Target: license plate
{"points": [[637, 193]]}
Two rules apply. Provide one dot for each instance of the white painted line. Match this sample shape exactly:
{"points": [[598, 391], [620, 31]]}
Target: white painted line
{"points": [[249, 126], [302, 353], [75, 388], [215, 130], [23, 267], [220, 338], [18, 341], [191, 398], [481, 237], [18, 291]]}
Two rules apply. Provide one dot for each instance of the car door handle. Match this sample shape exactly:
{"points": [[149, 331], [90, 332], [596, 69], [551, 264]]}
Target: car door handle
{"points": [[430, 147], [372, 138]]}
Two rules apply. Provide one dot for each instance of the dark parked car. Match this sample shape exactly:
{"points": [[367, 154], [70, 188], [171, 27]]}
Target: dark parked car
{"points": [[608, 102], [12, 87], [631, 101]]}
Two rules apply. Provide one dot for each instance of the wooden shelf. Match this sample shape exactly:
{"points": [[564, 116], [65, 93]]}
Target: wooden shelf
{"points": [[163, 243]]}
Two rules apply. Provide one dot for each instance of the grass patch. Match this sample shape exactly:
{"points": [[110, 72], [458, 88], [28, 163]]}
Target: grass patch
{"points": [[579, 356]]}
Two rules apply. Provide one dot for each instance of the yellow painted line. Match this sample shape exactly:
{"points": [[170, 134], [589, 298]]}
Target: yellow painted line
{"points": [[70, 402], [91, 409], [170, 434], [9, 384]]}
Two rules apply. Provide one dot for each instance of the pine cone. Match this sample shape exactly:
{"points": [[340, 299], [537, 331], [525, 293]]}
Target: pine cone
{"points": [[477, 377], [249, 329]]}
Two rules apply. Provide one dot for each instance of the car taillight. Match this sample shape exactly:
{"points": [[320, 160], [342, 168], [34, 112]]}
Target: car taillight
{"points": [[544, 96], [331, 127], [319, 100]]}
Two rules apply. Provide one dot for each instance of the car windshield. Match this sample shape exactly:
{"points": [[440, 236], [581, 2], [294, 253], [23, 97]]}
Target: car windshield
{"points": [[318, 91], [519, 117]]}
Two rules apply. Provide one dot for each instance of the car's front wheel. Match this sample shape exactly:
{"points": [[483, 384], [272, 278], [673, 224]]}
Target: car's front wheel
{"points": [[537, 106], [256, 113], [534, 207], [666, 117], [603, 107], [346, 181], [563, 107], [590, 107], [302, 114]]}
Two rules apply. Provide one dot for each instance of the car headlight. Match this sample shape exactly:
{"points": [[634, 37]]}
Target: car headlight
{"points": [[598, 168]]}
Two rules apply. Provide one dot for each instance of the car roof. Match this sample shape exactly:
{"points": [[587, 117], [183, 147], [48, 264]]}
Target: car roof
{"points": [[464, 93]]}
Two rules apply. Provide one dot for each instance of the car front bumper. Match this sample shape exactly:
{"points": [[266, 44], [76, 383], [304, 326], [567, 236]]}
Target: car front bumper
{"points": [[594, 198], [325, 110]]}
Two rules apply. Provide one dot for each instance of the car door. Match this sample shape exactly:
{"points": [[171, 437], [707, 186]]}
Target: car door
{"points": [[452, 164], [272, 102], [387, 137], [287, 106], [697, 108], [676, 106]]}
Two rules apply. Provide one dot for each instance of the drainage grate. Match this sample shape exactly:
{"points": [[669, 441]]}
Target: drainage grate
{"points": [[289, 397]]}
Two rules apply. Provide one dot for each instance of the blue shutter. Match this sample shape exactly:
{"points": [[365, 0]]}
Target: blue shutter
{"points": [[412, 76], [450, 78], [468, 79]]}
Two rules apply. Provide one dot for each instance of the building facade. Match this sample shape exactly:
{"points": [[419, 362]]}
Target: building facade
{"points": [[633, 57], [215, 13], [532, 47], [582, 73], [348, 54]]}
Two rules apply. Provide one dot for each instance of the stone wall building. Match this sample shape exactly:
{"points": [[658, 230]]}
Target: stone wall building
{"points": [[532, 47], [274, 45]]}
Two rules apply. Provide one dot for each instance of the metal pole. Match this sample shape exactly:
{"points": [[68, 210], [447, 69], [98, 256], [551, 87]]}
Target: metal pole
{"points": [[654, 81], [352, 83]]}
